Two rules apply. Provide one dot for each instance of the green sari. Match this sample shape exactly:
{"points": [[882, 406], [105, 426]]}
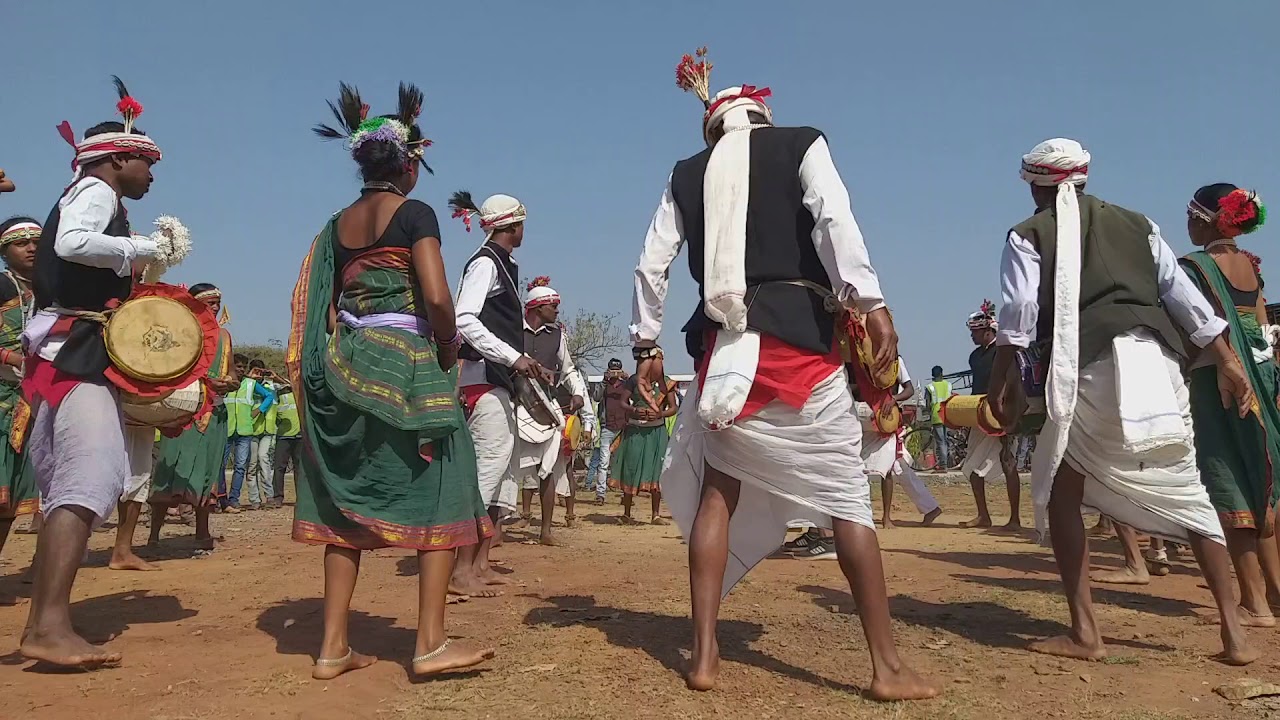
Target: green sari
{"points": [[1239, 458], [386, 458], [18, 495], [636, 464], [189, 466]]}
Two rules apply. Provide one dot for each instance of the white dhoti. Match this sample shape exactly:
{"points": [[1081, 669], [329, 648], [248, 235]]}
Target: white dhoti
{"points": [[77, 451], [1157, 492], [493, 431], [793, 464], [983, 455], [881, 456], [138, 444], [542, 460], [920, 496]]}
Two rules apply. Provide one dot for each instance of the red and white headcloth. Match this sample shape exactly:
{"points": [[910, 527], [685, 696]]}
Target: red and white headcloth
{"points": [[106, 145], [731, 105], [539, 293], [20, 231], [500, 211]]}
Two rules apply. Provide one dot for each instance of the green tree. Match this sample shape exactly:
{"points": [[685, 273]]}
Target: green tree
{"points": [[271, 354]]}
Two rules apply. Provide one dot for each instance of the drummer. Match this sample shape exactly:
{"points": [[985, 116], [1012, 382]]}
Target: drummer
{"points": [[986, 453], [544, 467], [84, 263]]}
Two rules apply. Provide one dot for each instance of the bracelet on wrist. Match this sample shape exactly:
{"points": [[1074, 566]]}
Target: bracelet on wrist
{"points": [[453, 342]]}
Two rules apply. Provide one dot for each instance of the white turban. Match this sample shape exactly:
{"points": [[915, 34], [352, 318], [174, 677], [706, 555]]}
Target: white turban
{"points": [[500, 211], [539, 293], [741, 98], [1056, 162]]}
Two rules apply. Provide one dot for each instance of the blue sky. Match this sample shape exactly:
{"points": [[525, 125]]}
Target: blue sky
{"points": [[572, 107]]}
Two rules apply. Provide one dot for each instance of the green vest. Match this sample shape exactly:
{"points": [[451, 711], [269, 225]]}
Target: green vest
{"points": [[241, 421], [1119, 290], [940, 390], [287, 419]]}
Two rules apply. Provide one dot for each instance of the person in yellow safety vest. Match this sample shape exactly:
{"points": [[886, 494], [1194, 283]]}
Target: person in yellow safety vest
{"points": [[248, 419], [288, 442], [936, 393]]}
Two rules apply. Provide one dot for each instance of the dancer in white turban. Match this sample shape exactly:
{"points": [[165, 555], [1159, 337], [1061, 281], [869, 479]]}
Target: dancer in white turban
{"points": [[1099, 285], [988, 453], [768, 432]]}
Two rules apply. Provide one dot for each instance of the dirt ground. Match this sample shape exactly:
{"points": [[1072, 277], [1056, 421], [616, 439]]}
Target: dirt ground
{"points": [[599, 630]]}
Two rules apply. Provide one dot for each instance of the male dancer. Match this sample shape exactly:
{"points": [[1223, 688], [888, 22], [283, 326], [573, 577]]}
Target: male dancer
{"points": [[85, 262], [985, 451], [489, 319], [543, 467], [768, 432], [138, 443], [1100, 284]]}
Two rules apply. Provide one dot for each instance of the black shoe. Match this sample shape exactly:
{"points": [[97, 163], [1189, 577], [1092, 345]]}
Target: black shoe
{"points": [[820, 550], [801, 544]]}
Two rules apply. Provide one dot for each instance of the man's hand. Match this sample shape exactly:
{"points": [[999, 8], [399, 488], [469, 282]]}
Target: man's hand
{"points": [[1234, 386], [6, 185], [576, 404], [254, 413], [447, 355], [530, 368], [884, 341]]}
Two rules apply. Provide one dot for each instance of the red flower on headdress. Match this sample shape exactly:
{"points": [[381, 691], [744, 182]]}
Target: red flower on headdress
{"points": [[128, 107], [693, 74], [540, 281], [364, 112], [1234, 210], [988, 308], [465, 215]]}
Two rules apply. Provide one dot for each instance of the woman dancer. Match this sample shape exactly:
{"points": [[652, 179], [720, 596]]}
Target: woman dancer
{"points": [[387, 460], [637, 463], [1239, 458], [188, 467], [18, 495]]}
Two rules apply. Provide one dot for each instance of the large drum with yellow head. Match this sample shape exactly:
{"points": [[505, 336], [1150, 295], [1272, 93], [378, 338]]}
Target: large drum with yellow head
{"points": [[572, 433]]}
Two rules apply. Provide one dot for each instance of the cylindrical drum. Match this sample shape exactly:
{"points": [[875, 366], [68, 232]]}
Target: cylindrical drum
{"points": [[969, 411]]}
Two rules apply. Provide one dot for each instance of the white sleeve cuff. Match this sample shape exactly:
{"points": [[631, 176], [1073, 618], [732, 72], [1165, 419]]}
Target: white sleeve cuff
{"points": [[1209, 332], [1013, 338]]}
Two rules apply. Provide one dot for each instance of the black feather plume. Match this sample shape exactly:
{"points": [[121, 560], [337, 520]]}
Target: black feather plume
{"points": [[410, 105], [349, 112], [461, 200], [120, 88]]}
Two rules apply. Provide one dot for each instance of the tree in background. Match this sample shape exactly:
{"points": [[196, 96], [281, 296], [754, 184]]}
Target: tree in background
{"points": [[271, 355], [592, 337]]}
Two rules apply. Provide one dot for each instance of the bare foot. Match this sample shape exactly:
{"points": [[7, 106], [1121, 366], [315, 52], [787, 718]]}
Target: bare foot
{"points": [[1067, 647], [520, 524], [982, 521], [571, 521], [1013, 526], [450, 656], [704, 669], [658, 520], [887, 524], [452, 599], [934, 514], [1246, 618], [1236, 652], [328, 669], [66, 649], [1123, 576], [489, 577], [471, 586], [131, 562], [550, 540], [904, 684]]}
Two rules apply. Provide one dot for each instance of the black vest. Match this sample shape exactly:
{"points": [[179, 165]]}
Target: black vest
{"points": [[779, 242], [1119, 290], [79, 287], [502, 314], [544, 347]]}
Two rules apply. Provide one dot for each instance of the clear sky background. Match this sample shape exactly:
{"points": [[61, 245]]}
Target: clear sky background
{"points": [[572, 107]]}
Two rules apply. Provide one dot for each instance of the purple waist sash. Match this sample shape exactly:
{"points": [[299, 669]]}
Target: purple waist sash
{"points": [[402, 321]]}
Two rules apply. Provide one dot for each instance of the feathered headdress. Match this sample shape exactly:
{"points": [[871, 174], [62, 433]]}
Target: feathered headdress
{"points": [[463, 207], [128, 142], [540, 281], [128, 108], [985, 317], [693, 74], [539, 293], [357, 128]]}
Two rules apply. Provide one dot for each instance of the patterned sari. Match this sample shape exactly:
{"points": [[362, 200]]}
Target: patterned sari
{"points": [[387, 460], [636, 466], [189, 466], [18, 495], [1239, 458]]}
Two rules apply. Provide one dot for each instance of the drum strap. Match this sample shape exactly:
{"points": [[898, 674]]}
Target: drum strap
{"points": [[100, 317], [84, 354]]}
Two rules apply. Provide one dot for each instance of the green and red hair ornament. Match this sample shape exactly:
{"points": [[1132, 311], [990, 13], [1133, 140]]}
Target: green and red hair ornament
{"points": [[400, 130]]}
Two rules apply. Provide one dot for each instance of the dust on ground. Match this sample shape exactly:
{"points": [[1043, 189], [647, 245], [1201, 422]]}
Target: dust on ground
{"points": [[600, 629]]}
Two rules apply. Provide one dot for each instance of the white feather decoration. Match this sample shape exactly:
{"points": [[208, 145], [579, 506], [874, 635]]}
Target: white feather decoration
{"points": [[174, 241]]}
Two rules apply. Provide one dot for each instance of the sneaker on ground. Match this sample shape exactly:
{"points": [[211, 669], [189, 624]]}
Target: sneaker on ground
{"points": [[820, 550], [803, 542]]}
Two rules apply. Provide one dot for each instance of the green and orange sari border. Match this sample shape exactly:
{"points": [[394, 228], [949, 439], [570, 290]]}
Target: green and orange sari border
{"points": [[372, 534]]}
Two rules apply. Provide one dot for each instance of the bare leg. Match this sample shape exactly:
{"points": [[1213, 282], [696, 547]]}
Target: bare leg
{"points": [[886, 496], [341, 568], [570, 500], [204, 538], [122, 555], [627, 501], [1243, 546], [1102, 529], [158, 511], [859, 554], [495, 517], [1213, 560], [1269, 557], [48, 635], [708, 556], [979, 486], [655, 506], [1071, 550], [465, 579], [547, 487], [1134, 571], [526, 503], [1013, 486], [432, 651]]}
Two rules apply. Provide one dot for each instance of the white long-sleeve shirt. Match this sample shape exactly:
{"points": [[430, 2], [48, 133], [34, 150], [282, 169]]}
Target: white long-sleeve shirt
{"points": [[836, 237], [84, 214], [479, 283], [570, 378], [1020, 289]]}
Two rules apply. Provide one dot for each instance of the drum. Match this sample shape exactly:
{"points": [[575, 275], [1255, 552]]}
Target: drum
{"points": [[154, 339], [537, 418], [886, 421], [969, 411], [175, 410], [572, 433]]}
